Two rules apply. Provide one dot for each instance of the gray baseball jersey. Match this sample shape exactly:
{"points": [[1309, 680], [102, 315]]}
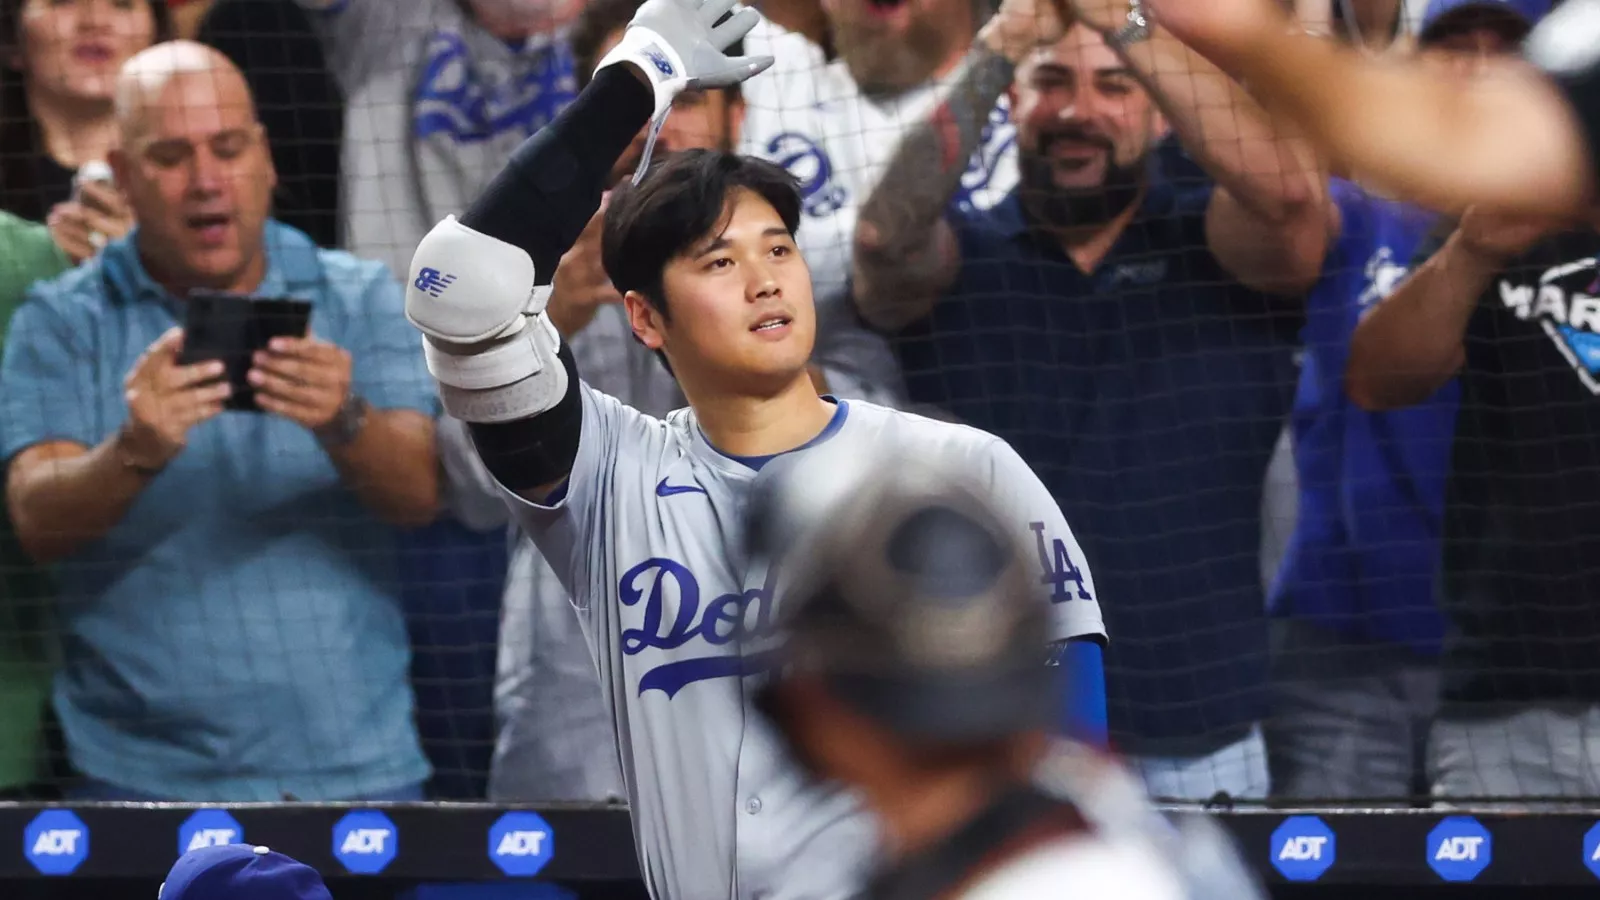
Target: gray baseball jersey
{"points": [[648, 538]]}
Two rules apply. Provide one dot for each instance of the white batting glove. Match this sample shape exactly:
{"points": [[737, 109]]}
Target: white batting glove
{"points": [[679, 46]]}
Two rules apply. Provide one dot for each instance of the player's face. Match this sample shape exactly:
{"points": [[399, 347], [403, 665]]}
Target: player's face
{"points": [[1084, 128], [1463, 53], [700, 120], [739, 305], [891, 46]]}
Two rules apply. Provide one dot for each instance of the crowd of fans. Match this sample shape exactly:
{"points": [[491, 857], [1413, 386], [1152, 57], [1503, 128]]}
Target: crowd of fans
{"points": [[1101, 250]]}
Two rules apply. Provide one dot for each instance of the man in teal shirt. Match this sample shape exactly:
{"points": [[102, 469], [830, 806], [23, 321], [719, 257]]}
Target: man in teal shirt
{"points": [[227, 586], [27, 254]]}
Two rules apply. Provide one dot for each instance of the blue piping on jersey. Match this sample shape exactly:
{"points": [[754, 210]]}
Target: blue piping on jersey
{"points": [[1083, 706], [756, 462]]}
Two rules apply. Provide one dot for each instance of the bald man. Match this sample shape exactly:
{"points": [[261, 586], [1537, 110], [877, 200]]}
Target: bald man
{"points": [[224, 534]]}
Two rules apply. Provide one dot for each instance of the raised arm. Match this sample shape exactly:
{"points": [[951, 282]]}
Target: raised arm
{"points": [[1506, 139], [1410, 344], [500, 363], [1270, 217], [905, 252]]}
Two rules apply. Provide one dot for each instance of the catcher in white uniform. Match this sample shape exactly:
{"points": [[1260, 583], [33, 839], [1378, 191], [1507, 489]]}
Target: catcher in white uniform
{"points": [[643, 518], [908, 675]]}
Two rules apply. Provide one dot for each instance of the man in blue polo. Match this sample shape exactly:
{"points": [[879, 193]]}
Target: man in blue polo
{"points": [[1099, 320], [1358, 635], [227, 588]]}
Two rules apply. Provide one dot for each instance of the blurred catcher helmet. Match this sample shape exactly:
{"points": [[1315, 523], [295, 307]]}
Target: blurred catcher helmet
{"points": [[905, 592]]}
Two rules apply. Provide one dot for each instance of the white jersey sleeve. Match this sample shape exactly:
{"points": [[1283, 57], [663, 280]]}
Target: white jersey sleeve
{"points": [[1063, 569], [618, 443]]}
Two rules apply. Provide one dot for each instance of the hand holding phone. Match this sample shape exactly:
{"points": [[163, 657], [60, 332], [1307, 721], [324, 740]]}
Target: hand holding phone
{"points": [[232, 329]]}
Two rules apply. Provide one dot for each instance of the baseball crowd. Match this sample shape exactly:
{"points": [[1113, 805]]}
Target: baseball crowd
{"points": [[1338, 555]]}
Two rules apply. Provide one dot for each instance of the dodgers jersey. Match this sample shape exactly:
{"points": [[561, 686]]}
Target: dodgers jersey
{"points": [[807, 115], [648, 537]]}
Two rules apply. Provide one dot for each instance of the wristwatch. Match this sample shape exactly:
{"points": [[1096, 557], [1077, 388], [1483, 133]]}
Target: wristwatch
{"points": [[346, 424], [1136, 29]]}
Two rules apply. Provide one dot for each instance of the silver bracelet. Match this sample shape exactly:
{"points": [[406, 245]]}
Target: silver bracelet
{"points": [[1136, 29]]}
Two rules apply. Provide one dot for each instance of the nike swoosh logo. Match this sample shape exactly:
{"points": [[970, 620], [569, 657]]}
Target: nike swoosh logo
{"points": [[671, 490]]}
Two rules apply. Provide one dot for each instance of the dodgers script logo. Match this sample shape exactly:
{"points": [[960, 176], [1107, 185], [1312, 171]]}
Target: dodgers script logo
{"points": [[805, 159], [468, 105], [1565, 305], [999, 138], [656, 586]]}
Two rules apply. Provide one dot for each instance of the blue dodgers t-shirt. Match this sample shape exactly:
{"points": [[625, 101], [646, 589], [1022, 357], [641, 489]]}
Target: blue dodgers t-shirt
{"points": [[238, 635], [1365, 551], [1148, 396]]}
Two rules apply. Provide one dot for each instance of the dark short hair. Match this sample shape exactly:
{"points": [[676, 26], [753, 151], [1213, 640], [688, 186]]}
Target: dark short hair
{"points": [[600, 19], [680, 200]]}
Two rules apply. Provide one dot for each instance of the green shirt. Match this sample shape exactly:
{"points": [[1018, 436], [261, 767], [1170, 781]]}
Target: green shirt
{"points": [[27, 643]]}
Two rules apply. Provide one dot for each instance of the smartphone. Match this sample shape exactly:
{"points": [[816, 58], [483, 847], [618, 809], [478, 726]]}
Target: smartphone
{"points": [[232, 328]]}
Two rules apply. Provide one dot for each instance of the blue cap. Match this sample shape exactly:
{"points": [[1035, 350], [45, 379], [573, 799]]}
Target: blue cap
{"points": [[241, 872], [1518, 16]]}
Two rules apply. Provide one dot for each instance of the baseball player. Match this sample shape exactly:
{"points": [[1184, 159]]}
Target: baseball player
{"points": [[1518, 138], [642, 518], [912, 621]]}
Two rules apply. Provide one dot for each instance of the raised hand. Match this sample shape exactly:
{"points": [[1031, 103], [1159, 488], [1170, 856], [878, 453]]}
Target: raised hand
{"points": [[1019, 26], [581, 285], [1501, 237], [165, 400], [82, 226], [679, 45]]}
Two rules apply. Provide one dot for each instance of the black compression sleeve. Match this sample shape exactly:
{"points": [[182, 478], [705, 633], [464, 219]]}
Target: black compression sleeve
{"points": [[526, 454], [1550, 47], [550, 188]]}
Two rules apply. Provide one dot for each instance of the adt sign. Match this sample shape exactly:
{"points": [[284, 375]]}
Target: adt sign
{"points": [[365, 841], [1303, 848], [208, 828], [1591, 849], [56, 842], [1459, 848], [521, 843]]}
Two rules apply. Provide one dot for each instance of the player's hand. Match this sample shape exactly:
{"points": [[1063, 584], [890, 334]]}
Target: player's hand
{"points": [[1498, 237], [165, 400], [1019, 26], [678, 45], [83, 225], [580, 285], [305, 380]]}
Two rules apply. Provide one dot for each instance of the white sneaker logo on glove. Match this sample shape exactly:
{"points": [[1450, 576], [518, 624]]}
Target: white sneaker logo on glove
{"points": [[660, 61]]}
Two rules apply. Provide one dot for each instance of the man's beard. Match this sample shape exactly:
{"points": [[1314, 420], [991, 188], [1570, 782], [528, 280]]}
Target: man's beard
{"points": [[1059, 208], [883, 64]]}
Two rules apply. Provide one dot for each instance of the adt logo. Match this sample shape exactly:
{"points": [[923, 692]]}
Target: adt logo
{"points": [[365, 841], [208, 828], [433, 282], [1591, 849], [56, 842], [521, 843], [1303, 848], [1459, 848], [660, 61]]}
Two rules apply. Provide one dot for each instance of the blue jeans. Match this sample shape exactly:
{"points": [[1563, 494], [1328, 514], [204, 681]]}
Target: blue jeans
{"points": [[91, 790]]}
